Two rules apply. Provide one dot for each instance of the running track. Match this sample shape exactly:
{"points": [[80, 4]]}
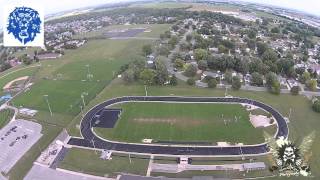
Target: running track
{"points": [[90, 140]]}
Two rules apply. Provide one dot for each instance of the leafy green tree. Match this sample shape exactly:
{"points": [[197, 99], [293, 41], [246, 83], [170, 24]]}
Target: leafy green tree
{"points": [[275, 88], [147, 49], [147, 76], [269, 55], [275, 30], [189, 37], [191, 81], [228, 77], [191, 70], [179, 63], [212, 83], [162, 74], [256, 79], [25, 59], [312, 84], [128, 76], [200, 54], [316, 106], [295, 90], [203, 65], [261, 47], [305, 77], [236, 83], [271, 78], [173, 80]]}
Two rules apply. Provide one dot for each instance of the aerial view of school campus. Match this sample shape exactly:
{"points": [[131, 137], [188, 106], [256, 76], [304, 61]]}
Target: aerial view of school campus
{"points": [[163, 90]]}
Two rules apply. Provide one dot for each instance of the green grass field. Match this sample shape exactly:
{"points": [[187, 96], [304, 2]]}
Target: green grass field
{"points": [[99, 167], [196, 122], [5, 117], [156, 30], [66, 78], [162, 5]]}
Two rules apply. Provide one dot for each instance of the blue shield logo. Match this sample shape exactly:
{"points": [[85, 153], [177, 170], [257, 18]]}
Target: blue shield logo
{"points": [[24, 24]]}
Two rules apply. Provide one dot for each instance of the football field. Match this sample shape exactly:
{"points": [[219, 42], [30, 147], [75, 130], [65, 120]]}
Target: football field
{"points": [[183, 122]]}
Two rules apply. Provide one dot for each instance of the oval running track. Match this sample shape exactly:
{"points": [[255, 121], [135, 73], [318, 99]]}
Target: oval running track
{"points": [[90, 140]]}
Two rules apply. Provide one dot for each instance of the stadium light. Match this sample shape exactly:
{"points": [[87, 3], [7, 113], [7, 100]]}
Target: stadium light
{"points": [[145, 89], [82, 97], [47, 100]]}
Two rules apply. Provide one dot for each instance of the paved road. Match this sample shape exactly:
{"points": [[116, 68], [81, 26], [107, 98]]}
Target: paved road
{"points": [[91, 140]]}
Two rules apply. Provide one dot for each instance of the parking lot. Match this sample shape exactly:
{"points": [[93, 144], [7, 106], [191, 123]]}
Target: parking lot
{"points": [[16, 138]]}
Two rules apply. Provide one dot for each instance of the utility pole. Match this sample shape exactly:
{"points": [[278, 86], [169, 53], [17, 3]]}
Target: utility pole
{"points": [[145, 89], [47, 100]]}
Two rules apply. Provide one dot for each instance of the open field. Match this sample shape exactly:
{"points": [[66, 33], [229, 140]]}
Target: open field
{"points": [[5, 116], [97, 166], [156, 30], [162, 5], [65, 82], [195, 122]]}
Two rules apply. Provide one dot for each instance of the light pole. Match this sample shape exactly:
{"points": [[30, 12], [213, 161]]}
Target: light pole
{"points": [[47, 100], [82, 97], [89, 75], [145, 89]]}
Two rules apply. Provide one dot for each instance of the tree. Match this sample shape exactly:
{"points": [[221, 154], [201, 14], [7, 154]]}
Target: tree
{"points": [[269, 55], [275, 30], [189, 37], [228, 77], [271, 78], [261, 47], [191, 70], [295, 90], [146, 49], [256, 79], [212, 83], [316, 106], [252, 34], [275, 88], [223, 49], [173, 80], [191, 81], [200, 54], [163, 51], [147, 76], [305, 77], [179, 63], [203, 65], [162, 74], [236, 83], [25, 59], [312, 84], [173, 41], [128, 76]]}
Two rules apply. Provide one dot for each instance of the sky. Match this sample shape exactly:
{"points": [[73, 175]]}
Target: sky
{"points": [[52, 6]]}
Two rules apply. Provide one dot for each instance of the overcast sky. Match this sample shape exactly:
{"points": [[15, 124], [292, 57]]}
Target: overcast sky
{"points": [[53, 6]]}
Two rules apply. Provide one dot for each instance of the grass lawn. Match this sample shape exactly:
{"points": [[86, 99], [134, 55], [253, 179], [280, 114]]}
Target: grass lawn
{"points": [[156, 30], [65, 79], [162, 5], [183, 122], [5, 116], [91, 163]]}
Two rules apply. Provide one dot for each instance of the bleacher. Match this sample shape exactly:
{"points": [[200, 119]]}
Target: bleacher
{"points": [[106, 118]]}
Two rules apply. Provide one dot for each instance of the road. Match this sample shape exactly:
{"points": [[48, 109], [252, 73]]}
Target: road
{"points": [[91, 140]]}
